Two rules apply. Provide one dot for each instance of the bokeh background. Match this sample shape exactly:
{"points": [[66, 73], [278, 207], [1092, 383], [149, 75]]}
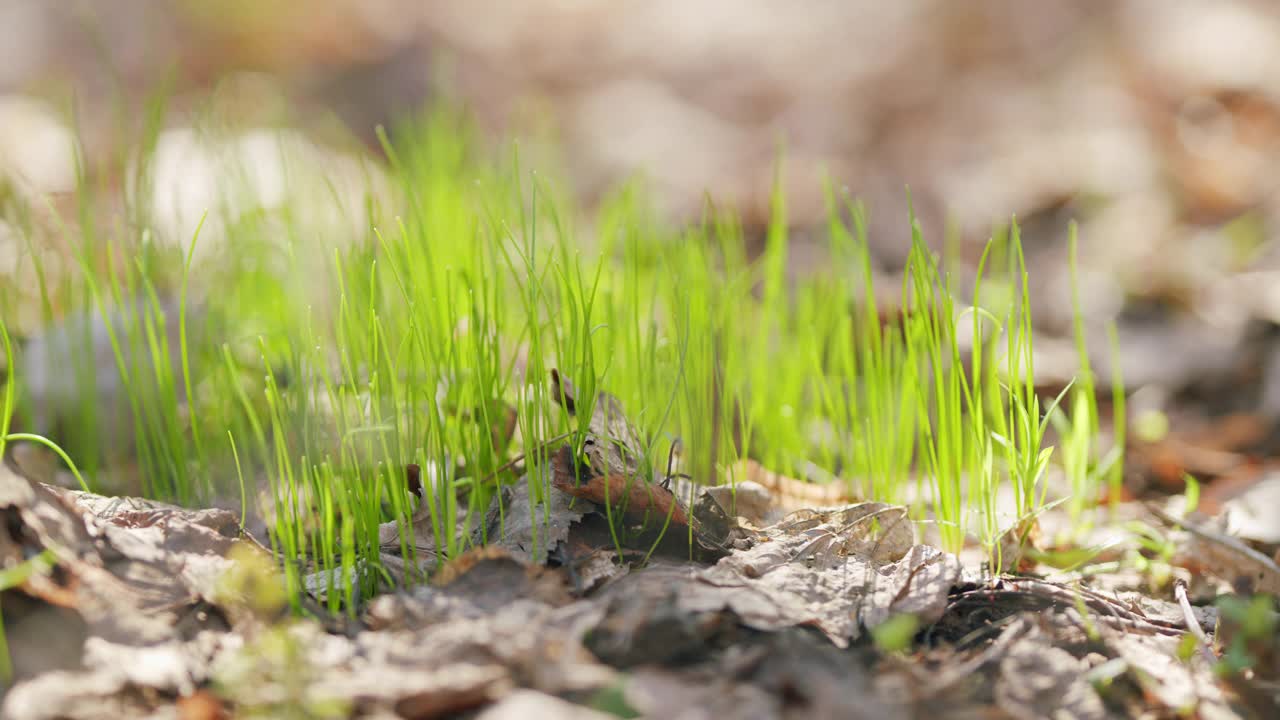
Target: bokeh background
{"points": [[1153, 123]]}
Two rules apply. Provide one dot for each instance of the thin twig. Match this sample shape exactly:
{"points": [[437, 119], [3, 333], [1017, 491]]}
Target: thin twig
{"points": [[1189, 617]]}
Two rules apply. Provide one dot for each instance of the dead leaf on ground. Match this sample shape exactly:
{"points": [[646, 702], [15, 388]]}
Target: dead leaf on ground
{"points": [[528, 705], [77, 696], [143, 576], [492, 577], [831, 570], [787, 494], [791, 673], [637, 499], [1154, 665], [1251, 514], [1223, 556], [613, 445], [1041, 680], [454, 690], [528, 527]]}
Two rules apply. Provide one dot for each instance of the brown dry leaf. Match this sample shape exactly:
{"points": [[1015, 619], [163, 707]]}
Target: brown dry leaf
{"points": [[633, 496], [790, 673], [1040, 680], [588, 568], [917, 584], [534, 642], [201, 705], [1155, 667], [142, 576], [837, 570], [491, 577], [789, 494], [747, 500], [608, 473], [421, 523], [880, 531], [454, 689], [1224, 557], [479, 583], [530, 529], [613, 445], [191, 545], [530, 705]]}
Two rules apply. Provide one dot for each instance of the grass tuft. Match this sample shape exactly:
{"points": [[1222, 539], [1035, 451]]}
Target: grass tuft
{"points": [[304, 395]]}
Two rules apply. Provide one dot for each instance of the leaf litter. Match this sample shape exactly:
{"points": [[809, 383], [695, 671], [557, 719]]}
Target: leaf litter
{"points": [[772, 612]]}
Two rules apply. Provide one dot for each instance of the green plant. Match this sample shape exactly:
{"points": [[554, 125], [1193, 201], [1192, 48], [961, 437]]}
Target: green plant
{"points": [[435, 331], [13, 577], [1246, 635]]}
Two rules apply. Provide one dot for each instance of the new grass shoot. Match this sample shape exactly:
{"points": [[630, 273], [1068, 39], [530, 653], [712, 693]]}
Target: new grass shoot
{"points": [[304, 394]]}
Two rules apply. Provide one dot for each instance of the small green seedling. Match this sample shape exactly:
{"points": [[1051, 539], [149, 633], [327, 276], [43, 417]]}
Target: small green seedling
{"points": [[896, 634], [307, 388]]}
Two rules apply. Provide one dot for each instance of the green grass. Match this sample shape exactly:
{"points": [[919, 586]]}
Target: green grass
{"points": [[470, 284]]}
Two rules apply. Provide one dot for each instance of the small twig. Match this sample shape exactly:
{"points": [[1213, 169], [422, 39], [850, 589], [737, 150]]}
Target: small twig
{"points": [[1260, 569], [1109, 612], [1189, 617]]}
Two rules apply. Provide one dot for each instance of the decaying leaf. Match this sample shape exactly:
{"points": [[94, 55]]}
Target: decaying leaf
{"points": [[1154, 665], [142, 576], [530, 528], [1225, 557], [76, 696], [747, 500], [788, 494], [613, 445], [832, 570], [493, 578], [1038, 679], [880, 531], [453, 690], [609, 471], [525, 704], [636, 498]]}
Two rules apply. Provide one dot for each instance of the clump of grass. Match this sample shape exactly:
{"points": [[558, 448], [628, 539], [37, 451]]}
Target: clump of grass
{"points": [[445, 322]]}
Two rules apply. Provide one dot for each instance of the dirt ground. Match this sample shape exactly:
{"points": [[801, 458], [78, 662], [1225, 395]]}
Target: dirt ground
{"points": [[1156, 125]]}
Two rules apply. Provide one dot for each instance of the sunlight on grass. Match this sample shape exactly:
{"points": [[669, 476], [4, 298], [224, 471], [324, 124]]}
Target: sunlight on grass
{"points": [[437, 330]]}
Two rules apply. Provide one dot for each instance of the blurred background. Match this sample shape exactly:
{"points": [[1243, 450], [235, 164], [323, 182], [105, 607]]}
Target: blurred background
{"points": [[1153, 123]]}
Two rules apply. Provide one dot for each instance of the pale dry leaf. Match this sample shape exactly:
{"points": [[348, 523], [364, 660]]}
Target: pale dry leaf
{"points": [[1155, 666], [530, 529], [879, 531], [747, 500], [918, 584], [71, 695], [785, 493], [1252, 514], [1224, 556], [532, 705], [1041, 680]]}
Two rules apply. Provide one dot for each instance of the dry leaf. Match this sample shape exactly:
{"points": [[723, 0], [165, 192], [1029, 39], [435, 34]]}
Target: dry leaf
{"points": [[787, 493], [636, 498], [1040, 680]]}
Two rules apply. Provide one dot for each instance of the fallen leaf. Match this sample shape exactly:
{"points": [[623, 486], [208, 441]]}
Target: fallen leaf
{"points": [[527, 704], [789, 494], [613, 445], [634, 497], [1040, 680], [201, 705]]}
